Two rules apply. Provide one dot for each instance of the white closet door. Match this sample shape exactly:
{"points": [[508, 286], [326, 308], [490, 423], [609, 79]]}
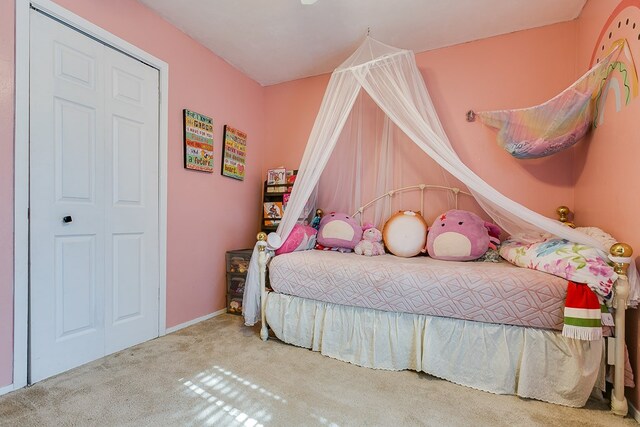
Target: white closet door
{"points": [[95, 274], [132, 276]]}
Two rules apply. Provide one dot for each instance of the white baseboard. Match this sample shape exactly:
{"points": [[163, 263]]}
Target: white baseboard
{"points": [[633, 412], [6, 389], [197, 320]]}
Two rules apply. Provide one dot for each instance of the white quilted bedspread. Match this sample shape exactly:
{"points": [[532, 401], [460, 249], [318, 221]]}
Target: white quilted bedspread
{"points": [[480, 291]]}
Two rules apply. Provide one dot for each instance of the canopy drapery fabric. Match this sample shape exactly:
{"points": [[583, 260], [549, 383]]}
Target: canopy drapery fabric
{"points": [[372, 157], [545, 129], [391, 78]]}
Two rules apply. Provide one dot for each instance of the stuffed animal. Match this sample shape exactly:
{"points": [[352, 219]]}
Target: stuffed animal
{"points": [[459, 235], [405, 233], [338, 231], [370, 244], [301, 238]]}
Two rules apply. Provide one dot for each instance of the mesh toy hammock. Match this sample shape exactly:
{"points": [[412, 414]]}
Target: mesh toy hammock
{"points": [[543, 130]]}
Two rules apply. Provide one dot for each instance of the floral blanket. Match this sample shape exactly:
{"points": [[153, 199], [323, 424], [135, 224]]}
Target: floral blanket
{"points": [[572, 261], [589, 275]]}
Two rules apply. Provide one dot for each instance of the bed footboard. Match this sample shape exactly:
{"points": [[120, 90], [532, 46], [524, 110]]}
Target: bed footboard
{"points": [[262, 263], [620, 254]]}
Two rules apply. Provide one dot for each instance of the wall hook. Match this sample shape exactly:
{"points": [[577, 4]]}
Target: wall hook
{"points": [[471, 116]]}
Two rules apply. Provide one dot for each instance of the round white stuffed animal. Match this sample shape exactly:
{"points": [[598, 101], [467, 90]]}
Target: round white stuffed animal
{"points": [[405, 233], [370, 244]]}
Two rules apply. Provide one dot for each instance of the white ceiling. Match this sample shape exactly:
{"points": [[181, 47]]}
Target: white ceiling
{"points": [[273, 41]]}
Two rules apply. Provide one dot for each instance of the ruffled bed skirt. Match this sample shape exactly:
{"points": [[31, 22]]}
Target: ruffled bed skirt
{"points": [[502, 359]]}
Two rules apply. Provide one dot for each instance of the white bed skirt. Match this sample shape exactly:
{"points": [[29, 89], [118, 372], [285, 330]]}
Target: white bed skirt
{"points": [[502, 359]]}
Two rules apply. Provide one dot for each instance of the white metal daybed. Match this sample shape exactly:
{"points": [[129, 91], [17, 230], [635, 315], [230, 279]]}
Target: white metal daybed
{"points": [[492, 327]]}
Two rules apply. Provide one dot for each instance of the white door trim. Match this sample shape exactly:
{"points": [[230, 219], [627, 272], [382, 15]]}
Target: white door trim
{"points": [[21, 166]]}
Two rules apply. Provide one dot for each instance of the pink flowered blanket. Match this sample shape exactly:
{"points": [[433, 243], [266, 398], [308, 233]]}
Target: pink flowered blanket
{"points": [[572, 261]]}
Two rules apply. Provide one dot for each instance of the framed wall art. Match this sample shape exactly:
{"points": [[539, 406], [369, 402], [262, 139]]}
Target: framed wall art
{"points": [[234, 152], [198, 141]]}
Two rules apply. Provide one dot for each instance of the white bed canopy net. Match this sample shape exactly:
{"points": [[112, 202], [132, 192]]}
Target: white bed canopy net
{"points": [[390, 77]]}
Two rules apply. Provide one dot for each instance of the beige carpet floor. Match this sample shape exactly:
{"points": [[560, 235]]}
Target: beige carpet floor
{"points": [[220, 373]]}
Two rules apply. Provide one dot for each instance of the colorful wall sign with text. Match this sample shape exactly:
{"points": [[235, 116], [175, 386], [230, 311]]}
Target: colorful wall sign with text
{"points": [[198, 141], [234, 153]]}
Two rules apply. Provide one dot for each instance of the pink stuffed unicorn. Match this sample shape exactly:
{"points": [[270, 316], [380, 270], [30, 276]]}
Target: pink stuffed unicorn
{"points": [[370, 245]]}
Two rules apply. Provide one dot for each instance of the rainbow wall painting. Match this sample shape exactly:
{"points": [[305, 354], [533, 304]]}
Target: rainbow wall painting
{"points": [[622, 28]]}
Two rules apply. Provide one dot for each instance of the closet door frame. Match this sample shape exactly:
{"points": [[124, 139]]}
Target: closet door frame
{"points": [[21, 166]]}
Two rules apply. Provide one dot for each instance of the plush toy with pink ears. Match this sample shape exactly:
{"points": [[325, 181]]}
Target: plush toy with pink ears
{"points": [[459, 235], [371, 243]]}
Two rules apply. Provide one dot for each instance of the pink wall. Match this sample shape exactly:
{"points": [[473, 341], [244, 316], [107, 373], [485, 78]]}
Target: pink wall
{"points": [[501, 72], [207, 214], [491, 74], [606, 169], [6, 191]]}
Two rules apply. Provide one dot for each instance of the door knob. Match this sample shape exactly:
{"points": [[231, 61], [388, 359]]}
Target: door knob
{"points": [[67, 219]]}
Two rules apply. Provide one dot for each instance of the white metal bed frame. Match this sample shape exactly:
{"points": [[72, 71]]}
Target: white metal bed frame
{"points": [[619, 254], [422, 187]]}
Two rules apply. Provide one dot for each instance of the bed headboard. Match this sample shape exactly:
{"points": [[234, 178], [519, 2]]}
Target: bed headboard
{"points": [[564, 213], [389, 195]]}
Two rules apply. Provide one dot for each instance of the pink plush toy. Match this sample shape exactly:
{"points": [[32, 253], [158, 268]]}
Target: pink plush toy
{"points": [[461, 236], [302, 238], [339, 231], [370, 244]]}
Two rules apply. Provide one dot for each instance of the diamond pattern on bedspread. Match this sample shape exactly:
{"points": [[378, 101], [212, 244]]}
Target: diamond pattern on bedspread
{"points": [[485, 292]]}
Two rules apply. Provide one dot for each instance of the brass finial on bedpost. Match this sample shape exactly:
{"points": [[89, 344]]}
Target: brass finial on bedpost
{"points": [[262, 237], [563, 214], [621, 250]]}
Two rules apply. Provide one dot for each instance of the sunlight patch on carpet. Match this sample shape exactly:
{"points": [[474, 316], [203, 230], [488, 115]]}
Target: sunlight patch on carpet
{"points": [[228, 395]]}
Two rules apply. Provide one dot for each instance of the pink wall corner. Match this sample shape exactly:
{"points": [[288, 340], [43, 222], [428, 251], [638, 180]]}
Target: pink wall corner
{"points": [[291, 109], [606, 170], [6, 190], [508, 71]]}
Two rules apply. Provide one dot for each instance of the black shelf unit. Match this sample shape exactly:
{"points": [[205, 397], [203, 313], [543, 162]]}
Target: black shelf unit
{"points": [[276, 197]]}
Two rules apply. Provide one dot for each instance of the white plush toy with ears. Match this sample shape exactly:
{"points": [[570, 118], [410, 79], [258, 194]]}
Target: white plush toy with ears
{"points": [[370, 244]]}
